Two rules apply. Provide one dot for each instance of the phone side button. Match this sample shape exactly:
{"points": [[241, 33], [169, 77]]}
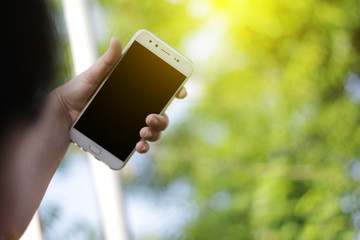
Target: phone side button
{"points": [[95, 149]]}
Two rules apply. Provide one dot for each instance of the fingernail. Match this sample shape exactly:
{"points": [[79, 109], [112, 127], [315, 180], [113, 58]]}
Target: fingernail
{"points": [[143, 148], [154, 120], [148, 134]]}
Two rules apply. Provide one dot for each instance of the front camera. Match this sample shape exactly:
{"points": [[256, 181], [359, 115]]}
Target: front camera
{"points": [[156, 45], [177, 60], [150, 41]]}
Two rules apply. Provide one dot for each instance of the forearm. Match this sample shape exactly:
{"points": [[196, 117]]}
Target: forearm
{"points": [[32, 154]]}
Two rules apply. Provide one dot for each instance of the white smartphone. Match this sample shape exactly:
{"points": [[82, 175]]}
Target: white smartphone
{"points": [[144, 81]]}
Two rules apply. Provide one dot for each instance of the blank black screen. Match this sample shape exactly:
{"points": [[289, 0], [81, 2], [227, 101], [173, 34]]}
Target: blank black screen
{"points": [[141, 84]]}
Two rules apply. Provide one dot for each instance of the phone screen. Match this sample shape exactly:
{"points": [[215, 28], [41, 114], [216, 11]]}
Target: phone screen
{"points": [[141, 84]]}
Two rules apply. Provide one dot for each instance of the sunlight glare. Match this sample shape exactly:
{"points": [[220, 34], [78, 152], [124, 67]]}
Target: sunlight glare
{"points": [[199, 9], [206, 42]]}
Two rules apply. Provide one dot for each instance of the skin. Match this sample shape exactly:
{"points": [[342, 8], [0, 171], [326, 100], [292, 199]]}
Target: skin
{"points": [[33, 150]]}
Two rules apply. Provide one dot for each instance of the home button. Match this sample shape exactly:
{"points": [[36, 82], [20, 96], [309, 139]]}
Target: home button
{"points": [[95, 149]]}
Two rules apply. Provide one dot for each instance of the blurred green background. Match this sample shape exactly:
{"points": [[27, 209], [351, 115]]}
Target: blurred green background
{"points": [[270, 139], [272, 145]]}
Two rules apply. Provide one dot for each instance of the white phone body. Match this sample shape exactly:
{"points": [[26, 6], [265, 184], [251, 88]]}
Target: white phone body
{"points": [[151, 71]]}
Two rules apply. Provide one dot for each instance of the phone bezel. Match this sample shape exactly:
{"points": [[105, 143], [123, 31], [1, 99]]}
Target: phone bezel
{"points": [[163, 51]]}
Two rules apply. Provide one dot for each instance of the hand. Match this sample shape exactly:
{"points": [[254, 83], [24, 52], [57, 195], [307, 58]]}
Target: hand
{"points": [[33, 150], [74, 95]]}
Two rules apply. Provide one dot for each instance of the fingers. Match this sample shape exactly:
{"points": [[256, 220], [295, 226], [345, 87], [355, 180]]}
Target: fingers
{"points": [[157, 122], [182, 93], [103, 66], [149, 134], [142, 147]]}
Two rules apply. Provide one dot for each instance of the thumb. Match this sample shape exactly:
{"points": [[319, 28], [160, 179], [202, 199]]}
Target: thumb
{"points": [[103, 66], [74, 95]]}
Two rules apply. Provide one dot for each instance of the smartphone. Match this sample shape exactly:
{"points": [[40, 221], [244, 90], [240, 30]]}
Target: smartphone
{"points": [[144, 81]]}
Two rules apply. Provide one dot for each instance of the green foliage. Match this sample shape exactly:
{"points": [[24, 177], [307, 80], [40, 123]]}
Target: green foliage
{"points": [[266, 148], [169, 21]]}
